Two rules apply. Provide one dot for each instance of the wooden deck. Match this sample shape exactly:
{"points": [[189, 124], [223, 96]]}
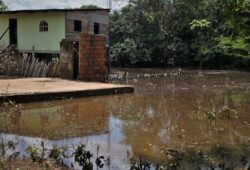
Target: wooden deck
{"points": [[41, 89]]}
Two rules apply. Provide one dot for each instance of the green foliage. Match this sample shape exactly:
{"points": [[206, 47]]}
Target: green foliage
{"points": [[35, 153], [144, 26], [234, 11], [199, 24], [238, 98], [211, 113], [3, 6], [58, 154], [125, 51], [90, 7], [181, 33], [200, 45], [233, 46]]}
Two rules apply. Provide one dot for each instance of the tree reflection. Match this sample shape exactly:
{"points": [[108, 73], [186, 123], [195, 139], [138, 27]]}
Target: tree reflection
{"points": [[159, 119]]}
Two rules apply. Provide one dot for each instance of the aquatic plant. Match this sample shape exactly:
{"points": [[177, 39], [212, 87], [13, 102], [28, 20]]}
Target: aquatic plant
{"points": [[227, 113], [7, 145], [140, 165], [100, 161], [238, 98], [58, 154], [82, 157], [202, 158], [211, 113], [35, 153]]}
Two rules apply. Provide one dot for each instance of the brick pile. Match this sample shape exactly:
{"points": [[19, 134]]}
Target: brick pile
{"points": [[92, 58]]}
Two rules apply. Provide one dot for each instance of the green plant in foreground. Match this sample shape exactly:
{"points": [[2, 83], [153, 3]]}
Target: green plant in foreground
{"points": [[140, 165], [35, 153], [58, 154], [82, 157]]}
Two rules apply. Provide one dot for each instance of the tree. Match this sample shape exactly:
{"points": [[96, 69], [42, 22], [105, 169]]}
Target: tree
{"points": [[126, 29], [138, 23], [200, 44], [3, 6], [235, 40], [124, 52], [214, 33], [90, 7]]}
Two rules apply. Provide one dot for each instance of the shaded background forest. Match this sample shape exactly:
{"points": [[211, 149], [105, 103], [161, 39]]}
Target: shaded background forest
{"points": [[212, 34]]}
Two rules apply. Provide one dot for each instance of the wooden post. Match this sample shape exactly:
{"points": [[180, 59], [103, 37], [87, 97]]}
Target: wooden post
{"points": [[108, 59], [33, 52]]}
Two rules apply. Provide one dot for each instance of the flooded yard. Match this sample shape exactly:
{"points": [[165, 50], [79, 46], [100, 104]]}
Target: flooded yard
{"points": [[194, 121]]}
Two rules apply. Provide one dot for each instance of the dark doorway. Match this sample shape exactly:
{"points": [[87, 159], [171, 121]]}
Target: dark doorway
{"points": [[77, 26], [96, 28], [76, 60], [13, 31]]}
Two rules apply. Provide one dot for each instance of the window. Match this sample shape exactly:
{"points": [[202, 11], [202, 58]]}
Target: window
{"points": [[96, 28], [77, 25], [44, 27]]}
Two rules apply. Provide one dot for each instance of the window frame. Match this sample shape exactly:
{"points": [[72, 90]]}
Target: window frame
{"points": [[43, 26], [77, 25]]}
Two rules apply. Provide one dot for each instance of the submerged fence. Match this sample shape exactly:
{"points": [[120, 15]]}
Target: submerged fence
{"points": [[125, 75]]}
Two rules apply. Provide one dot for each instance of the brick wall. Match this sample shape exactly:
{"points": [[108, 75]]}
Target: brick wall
{"points": [[88, 18], [92, 58]]}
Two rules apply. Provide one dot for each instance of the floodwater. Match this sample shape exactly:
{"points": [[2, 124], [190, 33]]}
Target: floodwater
{"points": [[180, 122]]}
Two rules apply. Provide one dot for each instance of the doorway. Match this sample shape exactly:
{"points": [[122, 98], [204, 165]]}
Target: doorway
{"points": [[76, 60], [13, 31]]}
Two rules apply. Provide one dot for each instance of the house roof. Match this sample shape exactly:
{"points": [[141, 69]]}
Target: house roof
{"points": [[52, 10]]}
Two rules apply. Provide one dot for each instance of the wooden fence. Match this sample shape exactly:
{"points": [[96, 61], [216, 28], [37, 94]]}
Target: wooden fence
{"points": [[33, 67], [29, 66]]}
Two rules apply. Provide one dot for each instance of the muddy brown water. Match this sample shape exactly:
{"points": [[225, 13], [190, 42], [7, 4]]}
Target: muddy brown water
{"points": [[203, 119]]}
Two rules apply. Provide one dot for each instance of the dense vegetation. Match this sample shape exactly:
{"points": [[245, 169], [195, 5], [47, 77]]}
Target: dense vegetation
{"points": [[181, 33], [3, 7], [90, 7]]}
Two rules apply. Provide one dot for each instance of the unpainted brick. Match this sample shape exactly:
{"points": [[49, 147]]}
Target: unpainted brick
{"points": [[92, 60]]}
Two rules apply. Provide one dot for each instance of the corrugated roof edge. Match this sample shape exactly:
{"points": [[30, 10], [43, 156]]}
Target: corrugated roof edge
{"points": [[52, 10]]}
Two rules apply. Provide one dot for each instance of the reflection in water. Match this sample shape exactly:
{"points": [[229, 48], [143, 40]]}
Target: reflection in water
{"points": [[59, 120], [161, 116], [108, 146]]}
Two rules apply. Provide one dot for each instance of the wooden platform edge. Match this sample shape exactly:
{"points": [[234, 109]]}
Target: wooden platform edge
{"points": [[37, 97]]}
